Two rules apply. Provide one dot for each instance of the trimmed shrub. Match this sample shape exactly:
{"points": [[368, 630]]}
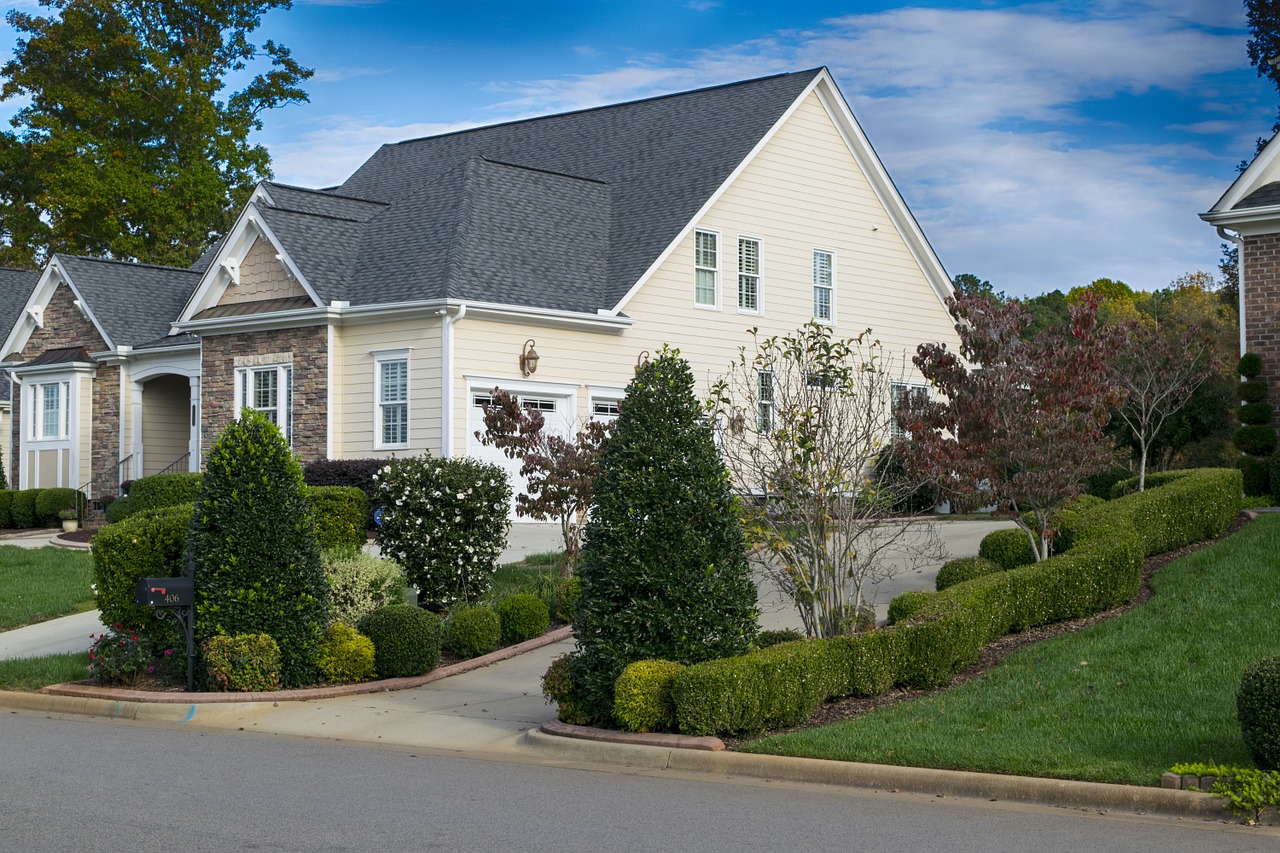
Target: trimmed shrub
{"points": [[1255, 414], [560, 688], [474, 631], [964, 569], [1007, 548], [347, 472], [6, 500], [1258, 709], [161, 490], [1253, 391], [118, 656], [664, 571], [51, 502], [1255, 440], [765, 639], [406, 640], [346, 656], [1255, 476], [23, 508], [1273, 477], [142, 546], [567, 593], [341, 514], [1099, 485], [523, 616], [642, 696], [1250, 365], [907, 604], [119, 509], [359, 584], [445, 521], [258, 567], [242, 663]]}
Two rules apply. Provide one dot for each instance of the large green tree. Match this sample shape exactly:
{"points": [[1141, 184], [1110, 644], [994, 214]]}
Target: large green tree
{"points": [[1264, 42], [129, 145]]}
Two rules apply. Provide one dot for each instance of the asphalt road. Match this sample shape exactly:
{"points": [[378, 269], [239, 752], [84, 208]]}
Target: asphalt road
{"points": [[100, 785]]}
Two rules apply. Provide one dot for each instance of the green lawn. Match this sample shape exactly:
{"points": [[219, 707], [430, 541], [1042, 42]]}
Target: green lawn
{"points": [[33, 673], [43, 583], [1120, 702]]}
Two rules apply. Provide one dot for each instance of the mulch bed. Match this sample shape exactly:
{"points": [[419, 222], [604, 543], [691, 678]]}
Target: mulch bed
{"points": [[839, 710]]}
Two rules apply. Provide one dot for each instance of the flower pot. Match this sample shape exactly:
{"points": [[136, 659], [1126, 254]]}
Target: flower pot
{"points": [[70, 525]]}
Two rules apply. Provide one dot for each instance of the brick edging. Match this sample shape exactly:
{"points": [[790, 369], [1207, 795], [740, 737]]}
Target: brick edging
{"points": [[90, 691], [559, 729]]}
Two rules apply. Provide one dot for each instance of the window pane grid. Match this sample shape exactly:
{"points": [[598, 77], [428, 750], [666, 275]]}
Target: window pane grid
{"points": [[706, 261], [393, 401], [764, 401], [822, 285], [749, 274]]}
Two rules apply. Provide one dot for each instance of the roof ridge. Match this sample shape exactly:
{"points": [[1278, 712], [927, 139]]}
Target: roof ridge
{"points": [[135, 264], [602, 107], [327, 194], [525, 168], [318, 215]]}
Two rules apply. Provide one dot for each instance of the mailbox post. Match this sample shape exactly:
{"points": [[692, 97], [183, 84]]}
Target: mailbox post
{"points": [[174, 597]]}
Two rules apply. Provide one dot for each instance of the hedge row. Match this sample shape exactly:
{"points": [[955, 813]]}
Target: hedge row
{"points": [[27, 508], [782, 685]]}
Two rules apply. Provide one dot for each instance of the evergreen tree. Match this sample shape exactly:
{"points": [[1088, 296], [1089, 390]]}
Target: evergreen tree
{"points": [[253, 542], [664, 572]]}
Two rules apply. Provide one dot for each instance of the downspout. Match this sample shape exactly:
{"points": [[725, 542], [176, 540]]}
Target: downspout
{"points": [[447, 322], [1239, 241]]}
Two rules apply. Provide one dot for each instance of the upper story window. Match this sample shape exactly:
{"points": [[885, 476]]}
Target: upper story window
{"points": [[898, 393], [764, 401], [706, 269], [824, 286], [749, 274], [391, 377], [269, 390], [50, 411]]}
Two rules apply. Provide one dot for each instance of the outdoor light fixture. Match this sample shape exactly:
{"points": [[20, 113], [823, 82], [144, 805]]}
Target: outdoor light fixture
{"points": [[529, 358], [642, 359]]}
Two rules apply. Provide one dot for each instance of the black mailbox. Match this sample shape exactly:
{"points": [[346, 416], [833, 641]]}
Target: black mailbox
{"points": [[166, 592]]}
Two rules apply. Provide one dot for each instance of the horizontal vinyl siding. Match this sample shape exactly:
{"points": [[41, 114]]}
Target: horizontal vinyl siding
{"points": [[166, 432], [353, 373]]}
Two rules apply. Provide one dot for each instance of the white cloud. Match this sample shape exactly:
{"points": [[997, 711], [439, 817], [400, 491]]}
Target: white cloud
{"points": [[329, 153], [338, 75]]}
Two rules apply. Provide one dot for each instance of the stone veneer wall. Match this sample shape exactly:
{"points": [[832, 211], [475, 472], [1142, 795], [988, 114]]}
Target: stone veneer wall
{"points": [[1262, 305], [105, 441], [308, 348], [64, 327]]}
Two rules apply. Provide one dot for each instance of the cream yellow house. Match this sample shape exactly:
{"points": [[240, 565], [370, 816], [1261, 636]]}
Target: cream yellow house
{"points": [[546, 257]]}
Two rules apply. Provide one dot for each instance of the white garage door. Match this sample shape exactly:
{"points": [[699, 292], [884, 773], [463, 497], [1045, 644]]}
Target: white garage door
{"points": [[557, 412]]}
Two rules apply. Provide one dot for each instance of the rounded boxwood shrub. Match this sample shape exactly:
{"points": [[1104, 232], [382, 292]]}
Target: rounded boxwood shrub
{"points": [[560, 686], [258, 567], [149, 545], [963, 569], [642, 696], [406, 640], [6, 500], [1255, 414], [359, 584], [1250, 365], [474, 631], [908, 604], [346, 656], [161, 490], [1253, 391], [340, 513], [1008, 548], [242, 663], [1255, 439], [50, 502], [1258, 709], [23, 508], [523, 616], [119, 509]]}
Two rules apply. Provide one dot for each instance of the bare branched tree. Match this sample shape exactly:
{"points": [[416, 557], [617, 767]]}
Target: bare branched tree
{"points": [[805, 419]]}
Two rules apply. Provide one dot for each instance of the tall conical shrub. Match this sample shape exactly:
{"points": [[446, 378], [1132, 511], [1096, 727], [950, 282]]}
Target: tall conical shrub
{"points": [[664, 572], [1256, 437], [253, 541]]}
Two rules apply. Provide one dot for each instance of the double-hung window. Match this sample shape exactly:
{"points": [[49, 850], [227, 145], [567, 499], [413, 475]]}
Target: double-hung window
{"points": [[899, 392], [706, 269], [51, 415], [391, 378], [749, 275], [824, 286], [268, 390], [764, 401]]}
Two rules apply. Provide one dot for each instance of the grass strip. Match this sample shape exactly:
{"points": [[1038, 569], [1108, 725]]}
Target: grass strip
{"points": [[30, 674], [1119, 702], [37, 584]]}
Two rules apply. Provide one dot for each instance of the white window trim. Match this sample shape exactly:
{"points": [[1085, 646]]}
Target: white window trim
{"points": [[765, 414], [896, 391], [830, 321], [381, 357], [35, 399], [715, 305], [759, 275], [284, 393]]}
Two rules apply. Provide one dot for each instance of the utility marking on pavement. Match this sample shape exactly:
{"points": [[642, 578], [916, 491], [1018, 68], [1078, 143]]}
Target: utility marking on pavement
{"points": [[190, 715], [116, 715]]}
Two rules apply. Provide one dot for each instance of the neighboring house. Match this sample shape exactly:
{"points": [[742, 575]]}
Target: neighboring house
{"points": [[15, 287], [373, 318], [1248, 214]]}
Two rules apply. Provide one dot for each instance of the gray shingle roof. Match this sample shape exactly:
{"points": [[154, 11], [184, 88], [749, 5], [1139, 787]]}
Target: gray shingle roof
{"points": [[135, 303], [15, 290], [563, 212], [1264, 196]]}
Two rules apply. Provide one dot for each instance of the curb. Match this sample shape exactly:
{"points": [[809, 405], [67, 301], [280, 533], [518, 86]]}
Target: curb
{"points": [[1092, 796], [59, 542], [79, 693]]}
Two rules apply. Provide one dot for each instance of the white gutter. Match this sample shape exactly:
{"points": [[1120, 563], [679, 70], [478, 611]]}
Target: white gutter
{"points": [[1239, 241], [447, 322]]}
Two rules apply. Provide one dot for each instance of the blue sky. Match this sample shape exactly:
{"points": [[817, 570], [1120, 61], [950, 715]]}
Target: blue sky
{"points": [[1040, 144]]}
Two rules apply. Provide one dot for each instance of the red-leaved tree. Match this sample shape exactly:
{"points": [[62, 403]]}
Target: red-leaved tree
{"points": [[559, 472], [1015, 424]]}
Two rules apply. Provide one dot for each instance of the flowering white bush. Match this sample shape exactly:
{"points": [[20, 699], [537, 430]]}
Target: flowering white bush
{"points": [[445, 521]]}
